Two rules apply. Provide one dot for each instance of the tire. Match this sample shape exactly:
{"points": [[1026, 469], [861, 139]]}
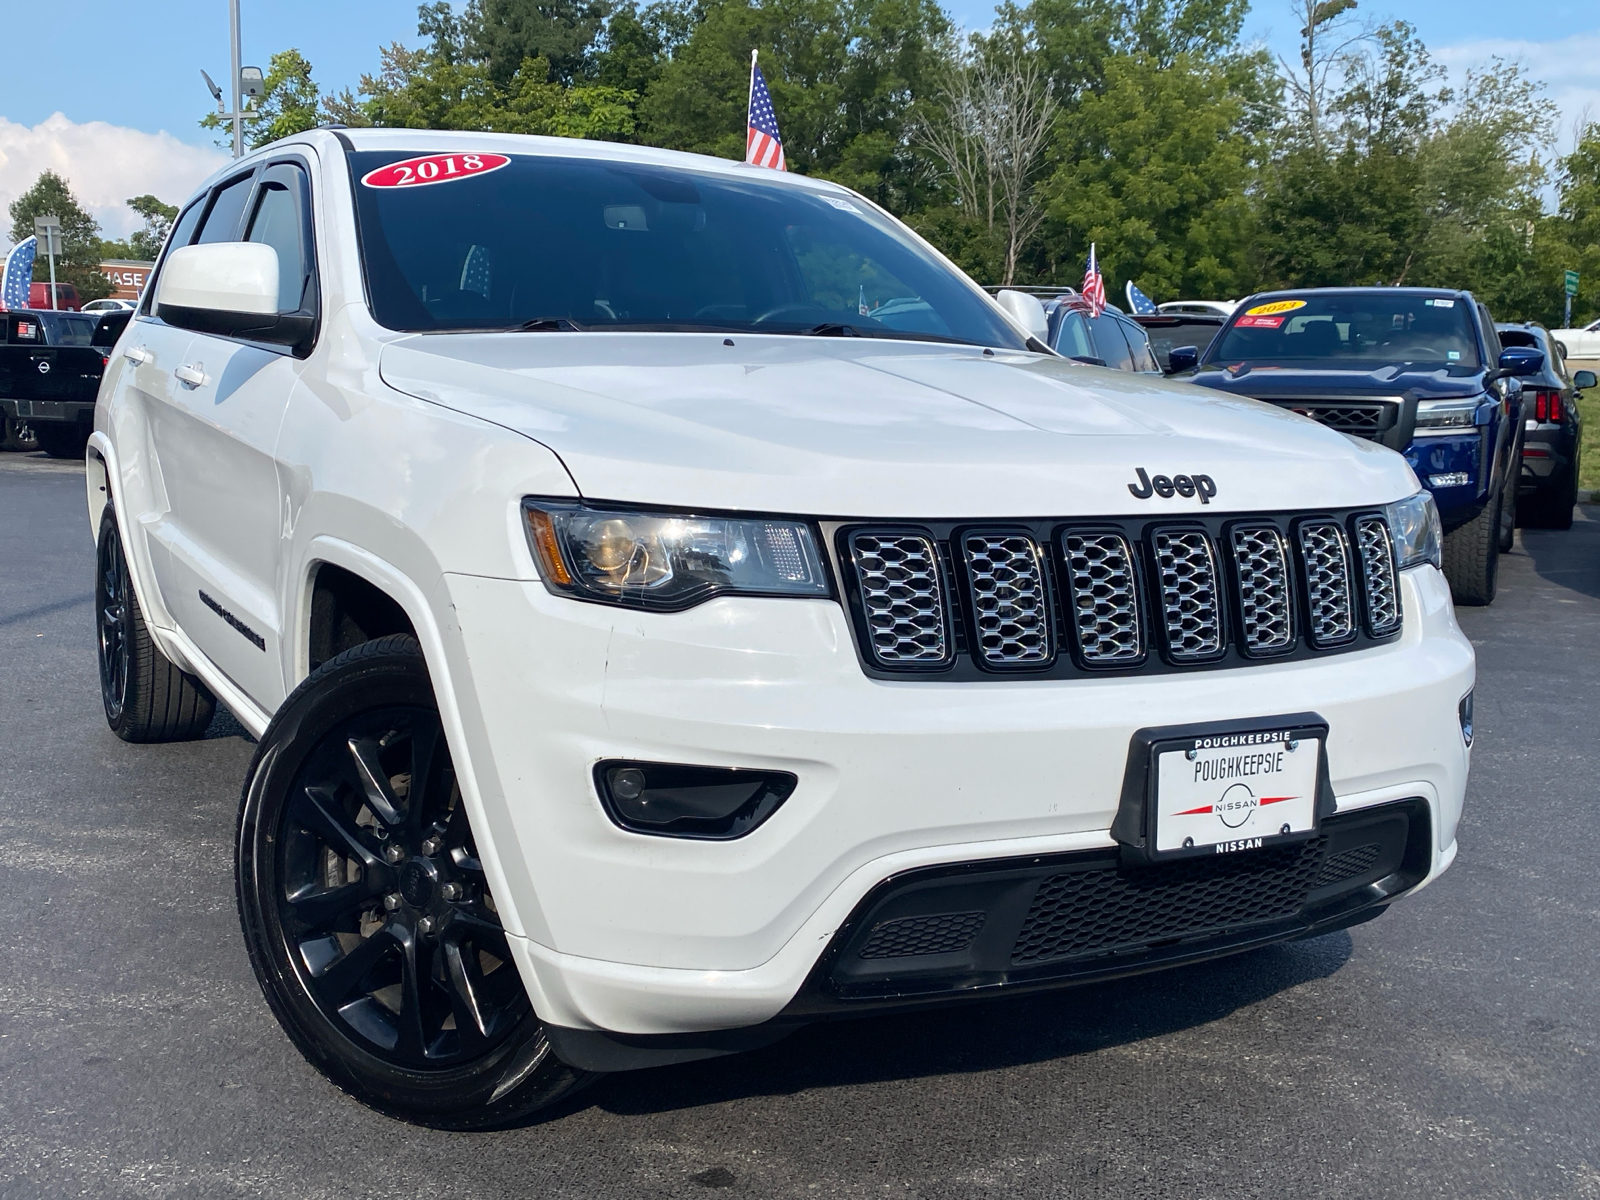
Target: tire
{"points": [[61, 440], [12, 435], [147, 698], [1472, 557], [366, 912]]}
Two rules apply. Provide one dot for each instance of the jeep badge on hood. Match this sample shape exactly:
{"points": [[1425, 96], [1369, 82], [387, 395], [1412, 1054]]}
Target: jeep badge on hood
{"points": [[1184, 485]]}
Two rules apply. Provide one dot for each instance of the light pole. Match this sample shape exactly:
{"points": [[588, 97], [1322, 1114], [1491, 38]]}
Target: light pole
{"points": [[247, 82]]}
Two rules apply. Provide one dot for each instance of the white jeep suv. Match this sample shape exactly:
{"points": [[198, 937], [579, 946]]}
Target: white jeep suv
{"points": [[675, 604]]}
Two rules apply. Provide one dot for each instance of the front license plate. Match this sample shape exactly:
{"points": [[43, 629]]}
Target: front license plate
{"points": [[1237, 791]]}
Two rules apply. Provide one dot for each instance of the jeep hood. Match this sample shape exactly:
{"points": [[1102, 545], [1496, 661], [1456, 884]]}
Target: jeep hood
{"points": [[853, 427]]}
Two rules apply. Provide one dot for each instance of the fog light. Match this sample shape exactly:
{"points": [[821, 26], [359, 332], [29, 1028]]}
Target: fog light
{"points": [[673, 800], [1465, 712], [1452, 479]]}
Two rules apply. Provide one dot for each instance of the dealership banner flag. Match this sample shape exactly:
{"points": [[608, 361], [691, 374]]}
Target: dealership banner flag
{"points": [[18, 274], [762, 145]]}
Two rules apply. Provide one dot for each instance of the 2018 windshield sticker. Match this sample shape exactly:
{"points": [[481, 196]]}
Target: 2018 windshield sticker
{"points": [[1277, 306], [433, 168]]}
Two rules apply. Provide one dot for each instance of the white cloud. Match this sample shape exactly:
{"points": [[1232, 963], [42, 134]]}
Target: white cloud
{"points": [[104, 164], [1565, 65]]}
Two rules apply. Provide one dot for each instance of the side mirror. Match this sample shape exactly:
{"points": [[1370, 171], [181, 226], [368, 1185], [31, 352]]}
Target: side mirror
{"points": [[1520, 360], [1583, 379], [229, 289], [1025, 310], [1182, 358]]}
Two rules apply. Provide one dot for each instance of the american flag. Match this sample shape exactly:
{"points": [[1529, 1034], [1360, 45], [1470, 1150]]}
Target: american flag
{"points": [[18, 274], [763, 146], [1139, 303], [1094, 287]]}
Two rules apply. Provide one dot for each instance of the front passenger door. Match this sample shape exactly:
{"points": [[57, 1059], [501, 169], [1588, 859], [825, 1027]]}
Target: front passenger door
{"points": [[224, 538]]}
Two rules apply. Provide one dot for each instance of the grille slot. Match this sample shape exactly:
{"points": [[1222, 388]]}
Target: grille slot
{"points": [[902, 596], [939, 933], [1378, 576], [1187, 573], [1104, 598], [1265, 608], [1009, 606], [1100, 911], [1327, 562], [1370, 421], [1347, 864]]}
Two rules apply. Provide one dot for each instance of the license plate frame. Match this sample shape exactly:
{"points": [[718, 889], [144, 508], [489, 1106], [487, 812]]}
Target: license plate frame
{"points": [[1145, 833]]}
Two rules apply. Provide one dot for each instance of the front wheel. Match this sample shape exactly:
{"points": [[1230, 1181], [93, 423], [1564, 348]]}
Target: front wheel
{"points": [[367, 912], [1472, 557]]}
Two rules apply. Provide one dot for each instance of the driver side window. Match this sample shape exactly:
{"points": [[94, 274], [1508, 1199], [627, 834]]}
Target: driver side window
{"points": [[279, 221]]}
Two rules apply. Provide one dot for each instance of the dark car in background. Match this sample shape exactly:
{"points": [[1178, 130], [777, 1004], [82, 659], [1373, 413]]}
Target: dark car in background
{"points": [[1187, 333], [1552, 439], [1420, 370], [50, 369], [1111, 339]]}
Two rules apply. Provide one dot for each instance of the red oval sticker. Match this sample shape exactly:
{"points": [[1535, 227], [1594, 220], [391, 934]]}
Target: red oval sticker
{"points": [[433, 168]]}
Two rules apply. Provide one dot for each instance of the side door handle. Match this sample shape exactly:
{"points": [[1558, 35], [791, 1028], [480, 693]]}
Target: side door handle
{"points": [[193, 374], [138, 355]]}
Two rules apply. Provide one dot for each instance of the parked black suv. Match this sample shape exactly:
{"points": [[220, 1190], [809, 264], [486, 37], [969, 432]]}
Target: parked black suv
{"points": [[1552, 441], [50, 369]]}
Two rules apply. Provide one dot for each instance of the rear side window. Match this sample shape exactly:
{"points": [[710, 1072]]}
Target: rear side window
{"points": [[1072, 338], [183, 228], [279, 221], [1139, 345], [1112, 345], [222, 221]]}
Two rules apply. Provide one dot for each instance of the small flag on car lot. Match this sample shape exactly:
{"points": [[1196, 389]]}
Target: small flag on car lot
{"points": [[1138, 302], [1094, 287], [762, 145], [18, 274]]}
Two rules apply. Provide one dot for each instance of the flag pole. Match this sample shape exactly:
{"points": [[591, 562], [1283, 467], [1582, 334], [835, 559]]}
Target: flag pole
{"points": [[750, 96]]}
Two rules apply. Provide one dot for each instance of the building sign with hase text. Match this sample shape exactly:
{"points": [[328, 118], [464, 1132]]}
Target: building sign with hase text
{"points": [[127, 276]]}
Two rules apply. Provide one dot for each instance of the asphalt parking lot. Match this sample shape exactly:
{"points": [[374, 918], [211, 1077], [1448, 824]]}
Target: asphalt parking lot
{"points": [[1448, 1049]]}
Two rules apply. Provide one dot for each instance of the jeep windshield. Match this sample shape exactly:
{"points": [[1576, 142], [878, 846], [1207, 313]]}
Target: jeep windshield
{"points": [[1341, 331], [547, 243]]}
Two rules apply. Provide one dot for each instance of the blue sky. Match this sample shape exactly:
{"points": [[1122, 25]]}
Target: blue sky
{"points": [[128, 108]]}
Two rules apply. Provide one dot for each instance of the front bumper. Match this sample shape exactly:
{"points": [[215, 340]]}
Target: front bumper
{"points": [[644, 935]]}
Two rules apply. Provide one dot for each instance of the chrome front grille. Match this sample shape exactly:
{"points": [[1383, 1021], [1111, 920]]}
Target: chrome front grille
{"points": [[1378, 575], [1328, 592], [1261, 561], [1187, 573], [902, 597], [965, 601], [1010, 608], [1103, 598]]}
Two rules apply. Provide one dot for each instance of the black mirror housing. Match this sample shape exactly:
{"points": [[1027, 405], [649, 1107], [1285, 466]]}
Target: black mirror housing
{"points": [[1520, 360], [1583, 379], [292, 329], [1182, 358]]}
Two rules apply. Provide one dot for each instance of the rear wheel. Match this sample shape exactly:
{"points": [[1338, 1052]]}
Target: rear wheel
{"points": [[367, 912], [146, 697], [1552, 509], [14, 435], [1472, 557], [58, 439]]}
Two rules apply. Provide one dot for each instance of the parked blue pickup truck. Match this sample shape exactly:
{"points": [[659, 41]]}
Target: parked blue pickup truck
{"points": [[1420, 370]]}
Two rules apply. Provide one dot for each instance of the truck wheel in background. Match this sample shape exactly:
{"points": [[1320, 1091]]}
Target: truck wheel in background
{"points": [[16, 436], [1553, 510], [146, 697], [1472, 557], [367, 912], [59, 439]]}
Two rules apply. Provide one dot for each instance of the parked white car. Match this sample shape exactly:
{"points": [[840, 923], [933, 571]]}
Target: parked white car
{"points": [[650, 651], [109, 304], [1580, 343], [1204, 308]]}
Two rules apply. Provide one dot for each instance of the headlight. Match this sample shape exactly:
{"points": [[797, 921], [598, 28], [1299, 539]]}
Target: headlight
{"points": [[666, 561], [1447, 416], [1414, 523]]}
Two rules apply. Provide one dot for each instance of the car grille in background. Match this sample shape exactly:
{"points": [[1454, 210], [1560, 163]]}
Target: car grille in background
{"points": [[1378, 575], [1009, 606], [1328, 592], [1103, 598], [938, 933], [1370, 421], [1186, 571], [1262, 562], [1207, 591], [902, 597]]}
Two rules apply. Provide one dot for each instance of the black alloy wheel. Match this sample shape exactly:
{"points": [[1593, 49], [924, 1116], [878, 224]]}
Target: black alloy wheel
{"points": [[367, 912], [147, 697], [112, 603]]}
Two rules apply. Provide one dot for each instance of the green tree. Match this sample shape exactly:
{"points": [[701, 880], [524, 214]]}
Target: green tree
{"points": [[146, 243], [504, 34], [79, 263]]}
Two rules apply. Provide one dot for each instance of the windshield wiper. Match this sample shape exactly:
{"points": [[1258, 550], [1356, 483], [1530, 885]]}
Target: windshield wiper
{"points": [[548, 325]]}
